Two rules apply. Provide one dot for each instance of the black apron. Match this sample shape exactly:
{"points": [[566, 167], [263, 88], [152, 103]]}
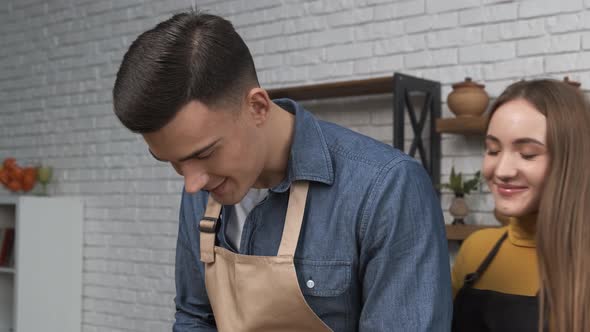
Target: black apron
{"points": [[485, 310]]}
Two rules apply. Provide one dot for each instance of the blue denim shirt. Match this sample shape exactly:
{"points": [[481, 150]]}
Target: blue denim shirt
{"points": [[373, 237]]}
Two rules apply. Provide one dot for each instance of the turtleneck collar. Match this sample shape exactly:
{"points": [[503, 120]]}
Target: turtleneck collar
{"points": [[522, 231]]}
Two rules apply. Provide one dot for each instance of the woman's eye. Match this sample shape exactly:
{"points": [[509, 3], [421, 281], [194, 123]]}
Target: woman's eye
{"points": [[492, 152], [528, 156]]}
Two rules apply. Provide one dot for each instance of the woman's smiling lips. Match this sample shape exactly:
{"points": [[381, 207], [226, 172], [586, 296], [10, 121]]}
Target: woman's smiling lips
{"points": [[509, 189]]}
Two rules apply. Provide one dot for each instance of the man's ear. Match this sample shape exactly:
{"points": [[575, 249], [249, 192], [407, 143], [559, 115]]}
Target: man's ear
{"points": [[258, 104]]}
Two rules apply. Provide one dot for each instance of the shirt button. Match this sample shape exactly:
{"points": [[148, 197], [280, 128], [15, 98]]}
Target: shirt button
{"points": [[310, 283]]}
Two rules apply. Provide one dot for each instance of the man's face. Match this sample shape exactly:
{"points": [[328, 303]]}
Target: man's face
{"points": [[221, 151], [516, 161]]}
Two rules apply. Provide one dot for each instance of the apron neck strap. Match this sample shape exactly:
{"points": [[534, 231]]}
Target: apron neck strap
{"points": [[472, 278], [294, 218], [293, 221], [208, 228]]}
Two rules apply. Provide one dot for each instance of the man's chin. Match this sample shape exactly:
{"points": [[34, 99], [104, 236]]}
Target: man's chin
{"points": [[226, 199]]}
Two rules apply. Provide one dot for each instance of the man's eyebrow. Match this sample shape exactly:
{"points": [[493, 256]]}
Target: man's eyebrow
{"points": [[198, 152], [192, 155]]}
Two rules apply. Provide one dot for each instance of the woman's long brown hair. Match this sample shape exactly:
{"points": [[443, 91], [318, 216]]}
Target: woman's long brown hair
{"points": [[563, 224]]}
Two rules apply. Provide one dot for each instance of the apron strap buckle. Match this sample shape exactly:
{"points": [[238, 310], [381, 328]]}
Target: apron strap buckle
{"points": [[208, 225], [208, 228]]}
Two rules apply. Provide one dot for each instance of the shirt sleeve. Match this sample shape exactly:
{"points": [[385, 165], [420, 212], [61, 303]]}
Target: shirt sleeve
{"points": [[193, 310], [404, 262]]}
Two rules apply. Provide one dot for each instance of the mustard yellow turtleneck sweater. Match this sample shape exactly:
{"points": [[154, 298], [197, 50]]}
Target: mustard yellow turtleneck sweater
{"points": [[512, 271]]}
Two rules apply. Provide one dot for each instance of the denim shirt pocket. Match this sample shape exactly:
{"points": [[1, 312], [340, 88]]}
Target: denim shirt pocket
{"points": [[322, 278], [325, 285]]}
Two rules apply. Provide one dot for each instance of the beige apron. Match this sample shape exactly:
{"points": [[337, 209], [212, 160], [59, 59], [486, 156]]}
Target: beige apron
{"points": [[258, 293]]}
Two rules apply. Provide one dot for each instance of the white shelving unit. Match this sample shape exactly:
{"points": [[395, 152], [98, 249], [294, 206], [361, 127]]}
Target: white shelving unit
{"points": [[43, 291]]}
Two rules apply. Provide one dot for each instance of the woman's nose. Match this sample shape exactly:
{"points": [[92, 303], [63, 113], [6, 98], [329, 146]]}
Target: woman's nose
{"points": [[506, 167]]}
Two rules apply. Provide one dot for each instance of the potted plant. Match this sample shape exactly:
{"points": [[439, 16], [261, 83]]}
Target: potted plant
{"points": [[459, 209]]}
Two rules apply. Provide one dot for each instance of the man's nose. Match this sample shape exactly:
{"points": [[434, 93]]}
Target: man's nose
{"points": [[195, 182], [195, 176]]}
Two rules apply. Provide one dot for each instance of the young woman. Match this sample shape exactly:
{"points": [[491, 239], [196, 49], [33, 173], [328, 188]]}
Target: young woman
{"points": [[536, 269]]}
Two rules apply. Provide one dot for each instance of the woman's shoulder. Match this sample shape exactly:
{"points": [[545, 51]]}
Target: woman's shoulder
{"points": [[474, 250], [477, 245], [484, 238]]}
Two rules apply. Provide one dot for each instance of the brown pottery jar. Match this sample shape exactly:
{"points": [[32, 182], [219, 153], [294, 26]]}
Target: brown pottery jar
{"points": [[468, 99], [575, 84]]}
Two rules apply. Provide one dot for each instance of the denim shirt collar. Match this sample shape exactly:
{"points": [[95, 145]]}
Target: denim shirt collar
{"points": [[309, 159]]}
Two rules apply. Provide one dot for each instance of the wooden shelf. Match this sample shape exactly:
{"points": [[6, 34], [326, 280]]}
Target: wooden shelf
{"points": [[464, 125], [363, 87], [461, 232]]}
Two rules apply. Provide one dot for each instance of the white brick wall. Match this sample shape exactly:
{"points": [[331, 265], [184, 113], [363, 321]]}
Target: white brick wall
{"points": [[58, 60]]}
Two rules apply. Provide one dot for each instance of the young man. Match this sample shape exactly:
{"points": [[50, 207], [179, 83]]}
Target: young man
{"points": [[287, 223]]}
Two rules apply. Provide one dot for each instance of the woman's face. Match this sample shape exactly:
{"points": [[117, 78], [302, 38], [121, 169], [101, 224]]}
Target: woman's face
{"points": [[516, 159]]}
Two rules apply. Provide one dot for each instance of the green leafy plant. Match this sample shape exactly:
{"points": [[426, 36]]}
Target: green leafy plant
{"points": [[460, 187]]}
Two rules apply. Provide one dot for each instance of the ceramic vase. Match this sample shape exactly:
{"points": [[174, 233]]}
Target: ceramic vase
{"points": [[458, 209], [468, 99]]}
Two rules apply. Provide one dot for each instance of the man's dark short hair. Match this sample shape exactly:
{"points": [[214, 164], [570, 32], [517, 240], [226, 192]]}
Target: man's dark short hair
{"points": [[191, 56]]}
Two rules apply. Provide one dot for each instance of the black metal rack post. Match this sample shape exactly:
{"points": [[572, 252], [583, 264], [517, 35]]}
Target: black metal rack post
{"points": [[404, 88]]}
